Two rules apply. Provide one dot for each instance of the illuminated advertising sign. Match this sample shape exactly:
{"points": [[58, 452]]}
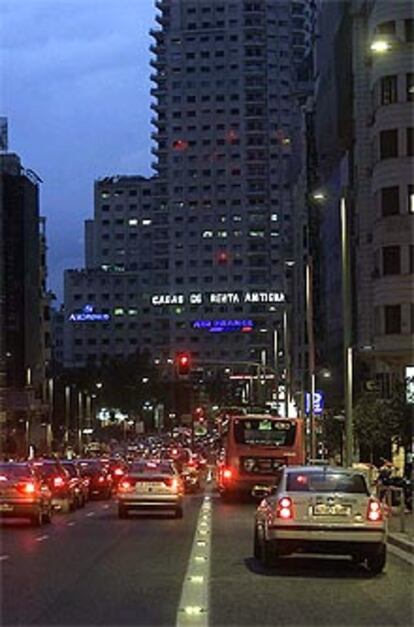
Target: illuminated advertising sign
{"points": [[88, 314], [217, 298], [224, 326], [318, 402]]}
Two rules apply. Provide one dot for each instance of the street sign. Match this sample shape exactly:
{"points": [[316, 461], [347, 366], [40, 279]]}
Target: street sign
{"points": [[318, 402]]}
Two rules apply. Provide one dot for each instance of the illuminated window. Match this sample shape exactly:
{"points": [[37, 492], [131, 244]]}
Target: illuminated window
{"points": [[274, 217], [411, 199], [146, 222], [222, 234], [133, 222], [207, 234], [133, 312], [256, 233], [119, 311]]}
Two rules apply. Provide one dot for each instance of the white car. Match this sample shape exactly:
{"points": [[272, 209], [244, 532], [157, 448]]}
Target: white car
{"points": [[320, 510], [150, 484]]}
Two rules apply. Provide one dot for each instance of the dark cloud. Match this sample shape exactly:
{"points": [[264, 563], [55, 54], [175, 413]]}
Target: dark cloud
{"points": [[75, 86]]}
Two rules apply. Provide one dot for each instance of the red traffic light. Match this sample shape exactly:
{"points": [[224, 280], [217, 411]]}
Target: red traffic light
{"points": [[183, 363]]}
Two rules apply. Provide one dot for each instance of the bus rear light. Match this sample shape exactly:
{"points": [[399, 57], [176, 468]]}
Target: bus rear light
{"points": [[284, 508], [227, 473], [58, 482]]}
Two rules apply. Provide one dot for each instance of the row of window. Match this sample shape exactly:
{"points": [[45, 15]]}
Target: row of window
{"points": [[392, 260], [390, 28], [388, 144], [223, 354], [390, 199], [117, 193], [389, 92], [392, 321]]}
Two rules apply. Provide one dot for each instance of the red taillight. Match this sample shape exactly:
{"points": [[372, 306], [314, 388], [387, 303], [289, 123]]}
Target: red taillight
{"points": [[58, 482], [101, 479], [172, 483], [227, 473], [374, 513], [284, 508], [125, 485], [27, 487], [118, 472]]}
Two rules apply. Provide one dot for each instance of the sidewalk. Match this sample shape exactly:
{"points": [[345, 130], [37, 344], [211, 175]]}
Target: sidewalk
{"points": [[404, 540]]}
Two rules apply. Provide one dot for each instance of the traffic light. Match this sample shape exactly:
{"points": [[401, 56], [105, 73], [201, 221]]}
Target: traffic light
{"points": [[183, 364]]}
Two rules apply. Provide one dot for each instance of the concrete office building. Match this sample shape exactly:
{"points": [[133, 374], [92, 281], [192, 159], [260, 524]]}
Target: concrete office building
{"points": [[363, 127], [107, 306], [225, 115], [24, 305]]}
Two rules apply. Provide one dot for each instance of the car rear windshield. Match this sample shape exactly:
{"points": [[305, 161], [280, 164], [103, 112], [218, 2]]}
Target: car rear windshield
{"points": [[10, 471], [264, 432], [151, 468], [326, 482], [48, 469], [71, 469]]}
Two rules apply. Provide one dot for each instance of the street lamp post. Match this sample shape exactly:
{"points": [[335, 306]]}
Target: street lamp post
{"points": [[311, 351], [347, 332], [67, 413]]}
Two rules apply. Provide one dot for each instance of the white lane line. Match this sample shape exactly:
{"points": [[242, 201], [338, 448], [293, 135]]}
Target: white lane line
{"points": [[404, 555], [71, 524], [41, 538], [3, 558], [193, 609], [105, 506], [90, 514]]}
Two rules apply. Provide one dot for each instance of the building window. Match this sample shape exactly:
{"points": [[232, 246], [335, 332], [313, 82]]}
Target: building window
{"points": [[389, 91], [392, 318], [410, 198], [389, 144], [409, 83], [390, 201], [386, 28], [391, 260], [409, 30], [410, 142]]}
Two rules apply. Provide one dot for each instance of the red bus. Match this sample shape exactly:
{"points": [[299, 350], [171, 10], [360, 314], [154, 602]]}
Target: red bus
{"points": [[256, 446]]}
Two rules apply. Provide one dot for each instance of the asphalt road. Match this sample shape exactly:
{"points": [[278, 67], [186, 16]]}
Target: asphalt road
{"points": [[90, 568]]}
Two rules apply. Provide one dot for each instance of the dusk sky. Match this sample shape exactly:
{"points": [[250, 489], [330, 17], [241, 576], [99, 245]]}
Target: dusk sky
{"points": [[75, 88]]}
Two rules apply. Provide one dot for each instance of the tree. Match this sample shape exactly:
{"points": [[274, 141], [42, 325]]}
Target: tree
{"points": [[372, 425]]}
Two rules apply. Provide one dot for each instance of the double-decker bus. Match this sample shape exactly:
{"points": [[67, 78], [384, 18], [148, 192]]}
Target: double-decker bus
{"points": [[256, 446]]}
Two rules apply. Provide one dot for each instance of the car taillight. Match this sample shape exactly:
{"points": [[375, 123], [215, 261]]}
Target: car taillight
{"points": [[101, 479], [172, 483], [227, 473], [284, 508], [374, 510], [125, 485], [58, 482], [118, 472], [27, 487]]}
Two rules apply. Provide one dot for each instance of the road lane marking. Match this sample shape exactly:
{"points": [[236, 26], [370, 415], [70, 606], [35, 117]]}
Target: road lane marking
{"points": [[41, 538], [105, 506], [3, 558], [90, 514], [193, 609], [71, 524]]}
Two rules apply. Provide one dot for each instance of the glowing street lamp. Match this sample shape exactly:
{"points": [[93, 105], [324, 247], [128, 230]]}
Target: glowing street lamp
{"points": [[380, 46]]}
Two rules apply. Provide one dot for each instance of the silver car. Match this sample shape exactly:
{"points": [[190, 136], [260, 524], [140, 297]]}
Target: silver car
{"points": [[321, 510], [151, 484]]}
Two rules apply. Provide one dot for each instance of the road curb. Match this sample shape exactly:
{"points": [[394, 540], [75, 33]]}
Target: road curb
{"points": [[401, 543]]}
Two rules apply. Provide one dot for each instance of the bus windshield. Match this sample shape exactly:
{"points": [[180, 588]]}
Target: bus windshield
{"points": [[264, 432]]}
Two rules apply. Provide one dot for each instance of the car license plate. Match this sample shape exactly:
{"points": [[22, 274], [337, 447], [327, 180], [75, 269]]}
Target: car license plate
{"points": [[321, 509], [5, 507], [146, 486]]}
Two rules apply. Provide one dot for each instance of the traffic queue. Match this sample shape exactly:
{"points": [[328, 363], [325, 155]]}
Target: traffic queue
{"points": [[155, 472]]}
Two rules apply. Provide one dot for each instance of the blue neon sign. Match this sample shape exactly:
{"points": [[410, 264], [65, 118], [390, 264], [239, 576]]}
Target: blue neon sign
{"points": [[88, 314], [318, 402], [224, 326]]}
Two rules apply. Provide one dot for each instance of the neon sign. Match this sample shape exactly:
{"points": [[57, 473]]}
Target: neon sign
{"points": [[88, 314], [224, 326], [217, 298]]}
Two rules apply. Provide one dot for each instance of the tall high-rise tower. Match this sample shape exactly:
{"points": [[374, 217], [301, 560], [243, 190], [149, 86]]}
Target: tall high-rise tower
{"points": [[225, 87]]}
